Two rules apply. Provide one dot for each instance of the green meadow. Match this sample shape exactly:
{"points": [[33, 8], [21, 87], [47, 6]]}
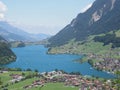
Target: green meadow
{"points": [[5, 82]]}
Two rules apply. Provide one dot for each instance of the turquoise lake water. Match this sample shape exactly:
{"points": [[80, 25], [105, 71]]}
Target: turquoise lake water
{"points": [[35, 57]]}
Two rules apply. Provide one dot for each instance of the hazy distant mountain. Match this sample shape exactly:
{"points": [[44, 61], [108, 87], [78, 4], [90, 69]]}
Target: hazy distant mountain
{"points": [[12, 33], [1, 39], [40, 36], [11, 36], [102, 17]]}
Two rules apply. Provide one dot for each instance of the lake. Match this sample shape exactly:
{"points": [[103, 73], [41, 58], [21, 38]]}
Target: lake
{"points": [[35, 57]]}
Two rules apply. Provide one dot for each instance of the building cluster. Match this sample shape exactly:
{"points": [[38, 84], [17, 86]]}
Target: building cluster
{"points": [[16, 78], [105, 63], [83, 83], [36, 83], [108, 64]]}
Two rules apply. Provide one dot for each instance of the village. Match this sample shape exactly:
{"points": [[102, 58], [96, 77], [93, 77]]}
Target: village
{"points": [[82, 82], [105, 63]]}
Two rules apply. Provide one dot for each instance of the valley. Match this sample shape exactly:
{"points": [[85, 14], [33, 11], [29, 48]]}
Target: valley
{"points": [[84, 55], [35, 57]]}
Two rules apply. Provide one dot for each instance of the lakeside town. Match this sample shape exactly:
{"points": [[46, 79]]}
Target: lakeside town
{"points": [[105, 63], [68, 80]]}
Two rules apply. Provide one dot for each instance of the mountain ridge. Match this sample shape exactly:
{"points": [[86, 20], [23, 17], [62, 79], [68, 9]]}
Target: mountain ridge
{"points": [[102, 17], [13, 33]]}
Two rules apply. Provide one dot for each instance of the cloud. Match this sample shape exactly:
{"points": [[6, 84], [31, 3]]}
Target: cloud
{"points": [[3, 9], [86, 8], [1, 15]]}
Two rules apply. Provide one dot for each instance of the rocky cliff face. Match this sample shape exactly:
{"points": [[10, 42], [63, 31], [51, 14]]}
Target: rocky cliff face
{"points": [[102, 17]]}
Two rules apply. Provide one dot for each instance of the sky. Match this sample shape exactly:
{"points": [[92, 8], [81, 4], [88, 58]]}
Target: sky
{"points": [[42, 16]]}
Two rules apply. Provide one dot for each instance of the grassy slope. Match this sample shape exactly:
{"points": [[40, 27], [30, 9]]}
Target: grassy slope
{"points": [[87, 47], [5, 78], [84, 47], [55, 86]]}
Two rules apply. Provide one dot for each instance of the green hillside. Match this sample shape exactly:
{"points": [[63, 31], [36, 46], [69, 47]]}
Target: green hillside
{"points": [[95, 51], [29, 80], [6, 55], [6, 83]]}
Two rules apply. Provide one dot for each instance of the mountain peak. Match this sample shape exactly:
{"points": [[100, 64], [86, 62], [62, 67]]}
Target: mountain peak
{"points": [[101, 8]]}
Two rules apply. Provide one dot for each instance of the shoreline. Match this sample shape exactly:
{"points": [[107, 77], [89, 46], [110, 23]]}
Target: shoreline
{"points": [[82, 56], [80, 60]]}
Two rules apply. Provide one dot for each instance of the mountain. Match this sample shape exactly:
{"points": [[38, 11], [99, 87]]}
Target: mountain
{"points": [[40, 36], [2, 39], [10, 36], [12, 33], [102, 17], [6, 55]]}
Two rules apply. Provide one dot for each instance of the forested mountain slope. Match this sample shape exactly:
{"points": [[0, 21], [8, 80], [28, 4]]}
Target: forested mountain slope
{"points": [[102, 17]]}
